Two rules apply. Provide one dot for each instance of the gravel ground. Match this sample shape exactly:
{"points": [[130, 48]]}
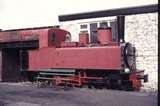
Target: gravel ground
{"points": [[28, 95]]}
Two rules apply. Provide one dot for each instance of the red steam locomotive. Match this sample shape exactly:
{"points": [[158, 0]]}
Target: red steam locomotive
{"points": [[103, 64], [59, 61]]}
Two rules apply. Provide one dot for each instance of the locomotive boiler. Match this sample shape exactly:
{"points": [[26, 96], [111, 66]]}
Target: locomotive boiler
{"points": [[107, 64]]}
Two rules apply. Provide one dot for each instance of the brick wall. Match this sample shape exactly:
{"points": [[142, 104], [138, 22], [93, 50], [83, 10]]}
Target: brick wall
{"points": [[142, 31]]}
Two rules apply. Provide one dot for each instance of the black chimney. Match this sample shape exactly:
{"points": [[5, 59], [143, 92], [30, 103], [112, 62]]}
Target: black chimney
{"points": [[121, 27]]}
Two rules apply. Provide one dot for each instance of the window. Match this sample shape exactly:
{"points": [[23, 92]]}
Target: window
{"points": [[84, 26], [103, 24]]}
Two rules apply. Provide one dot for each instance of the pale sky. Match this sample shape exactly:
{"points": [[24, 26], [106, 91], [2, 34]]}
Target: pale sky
{"points": [[34, 13]]}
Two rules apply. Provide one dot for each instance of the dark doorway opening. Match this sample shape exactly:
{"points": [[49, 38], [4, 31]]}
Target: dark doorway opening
{"points": [[14, 60], [10, 65]]}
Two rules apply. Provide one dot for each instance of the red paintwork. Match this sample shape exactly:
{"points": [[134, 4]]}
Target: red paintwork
{"points": [[36, 34], [11, 36], [135, 78], [104, 36], [69, 44], [84, 38], [61, 54], [136, 83], [107, 57], [45, 38]]}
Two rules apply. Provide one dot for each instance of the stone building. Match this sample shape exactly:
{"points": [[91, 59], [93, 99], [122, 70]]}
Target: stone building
{"points": [[140, 29]]}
